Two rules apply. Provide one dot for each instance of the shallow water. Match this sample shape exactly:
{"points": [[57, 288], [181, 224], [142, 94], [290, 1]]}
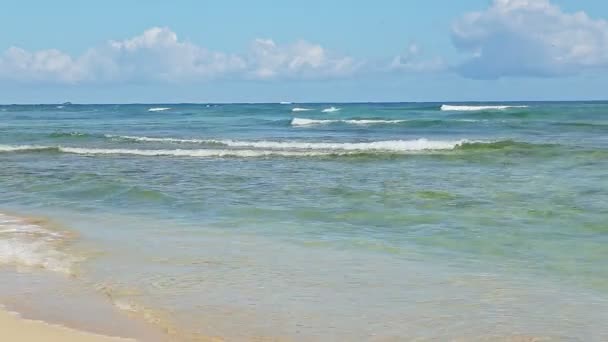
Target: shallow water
{"points": [[374, 222]]}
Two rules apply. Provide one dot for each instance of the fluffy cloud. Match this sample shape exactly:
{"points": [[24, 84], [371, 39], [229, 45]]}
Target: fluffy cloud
{"points": [[158, 55], [529, 38], [299, 60], [413, 60]]}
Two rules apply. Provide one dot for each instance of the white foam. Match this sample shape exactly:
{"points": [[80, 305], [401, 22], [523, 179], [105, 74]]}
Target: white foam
{"points": [[387, 145], [262, 148], [330, 110], [201, 153], [277, 146], [475, 108], [311, 122], [153, 139], [158, 109], [285, 102], [30, 245], [11, 148], [364, 122], [299, 109]]}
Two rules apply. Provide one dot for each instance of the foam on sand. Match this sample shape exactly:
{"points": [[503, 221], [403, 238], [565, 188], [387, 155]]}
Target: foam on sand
{"points": [[158, 109], [476, 108], [330, 110], [28, 244]]}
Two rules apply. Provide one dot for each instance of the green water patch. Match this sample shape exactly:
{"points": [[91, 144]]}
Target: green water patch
{"points": [[435, 195], [502, 145], [69, 135]]}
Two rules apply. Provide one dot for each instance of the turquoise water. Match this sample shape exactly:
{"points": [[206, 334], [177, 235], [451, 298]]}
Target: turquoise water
{"points": [[364, 222]]}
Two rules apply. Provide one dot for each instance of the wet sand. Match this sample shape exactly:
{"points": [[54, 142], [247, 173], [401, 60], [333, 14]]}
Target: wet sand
{"points": [[15, 328]]}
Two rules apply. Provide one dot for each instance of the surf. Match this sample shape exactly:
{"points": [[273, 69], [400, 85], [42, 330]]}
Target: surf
{"points": [[158, 109], [331, 110], [299, 109], [465, 108], [361, 122], [26, 243]]}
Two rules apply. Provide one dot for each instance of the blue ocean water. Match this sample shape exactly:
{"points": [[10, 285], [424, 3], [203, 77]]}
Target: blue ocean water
{"points": [[379, 221]]}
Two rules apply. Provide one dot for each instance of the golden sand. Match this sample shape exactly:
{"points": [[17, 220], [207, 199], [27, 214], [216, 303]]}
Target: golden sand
{"points": [[14, 328]]}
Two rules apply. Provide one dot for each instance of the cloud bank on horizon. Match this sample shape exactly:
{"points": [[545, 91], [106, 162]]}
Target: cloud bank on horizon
{"points": [[529, 38], [511, 38]]}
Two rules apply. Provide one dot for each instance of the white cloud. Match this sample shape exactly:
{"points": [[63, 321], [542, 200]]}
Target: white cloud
{"points": [[158, 55], [529, 38], [299, 60], [413, 60], [18, 64]]}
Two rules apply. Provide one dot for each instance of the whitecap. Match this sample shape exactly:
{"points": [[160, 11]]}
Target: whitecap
{"points": [[475, 108], [158, 109], [330, 110], [362, 122], [310, 122], [299, 109]]}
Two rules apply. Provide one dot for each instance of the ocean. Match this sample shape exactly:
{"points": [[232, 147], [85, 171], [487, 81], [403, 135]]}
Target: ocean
{"points": [[316, 222]]}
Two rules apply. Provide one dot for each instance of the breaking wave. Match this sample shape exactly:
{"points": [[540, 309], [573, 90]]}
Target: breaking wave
{"points": [[298, 109], [313, 122], [28, 244], [330, 110], [158, 109], [253, 149], [476, 108]]}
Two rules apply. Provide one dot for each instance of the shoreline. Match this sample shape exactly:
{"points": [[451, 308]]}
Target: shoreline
{"points": [[16, 328], [39, 279]]}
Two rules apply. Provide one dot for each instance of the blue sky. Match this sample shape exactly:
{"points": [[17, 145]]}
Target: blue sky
{"points": [[258, 51]]}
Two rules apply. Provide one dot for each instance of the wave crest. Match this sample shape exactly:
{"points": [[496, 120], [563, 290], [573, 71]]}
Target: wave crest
{"points": [[299, 109], [265, 148], [361, 122], [158, 109], [24, 243], [331, 110], [464, 108]]}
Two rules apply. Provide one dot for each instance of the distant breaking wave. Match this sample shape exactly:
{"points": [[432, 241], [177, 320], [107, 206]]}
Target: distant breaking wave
{"points": [[312, 122], [298, 109], [387, 145], [330, 110], [475, 108], [247, 149], [158, 109]]}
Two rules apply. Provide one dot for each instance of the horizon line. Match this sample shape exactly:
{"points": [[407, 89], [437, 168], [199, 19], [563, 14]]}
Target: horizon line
{"points": [[294, 102]]}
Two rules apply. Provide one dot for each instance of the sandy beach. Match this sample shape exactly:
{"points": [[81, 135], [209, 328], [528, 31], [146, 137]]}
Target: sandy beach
{"points": [[14, 328]]}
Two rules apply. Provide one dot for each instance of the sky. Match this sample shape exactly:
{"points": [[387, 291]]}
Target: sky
{"points": [[125, 51]]}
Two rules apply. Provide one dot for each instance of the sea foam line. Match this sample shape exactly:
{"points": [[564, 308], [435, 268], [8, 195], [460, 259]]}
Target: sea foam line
{"points": [[261, 148], [385, 145], [362, 122], [158, 109], [463, 108], [299, 109], [23, 243], [330, 110]]}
